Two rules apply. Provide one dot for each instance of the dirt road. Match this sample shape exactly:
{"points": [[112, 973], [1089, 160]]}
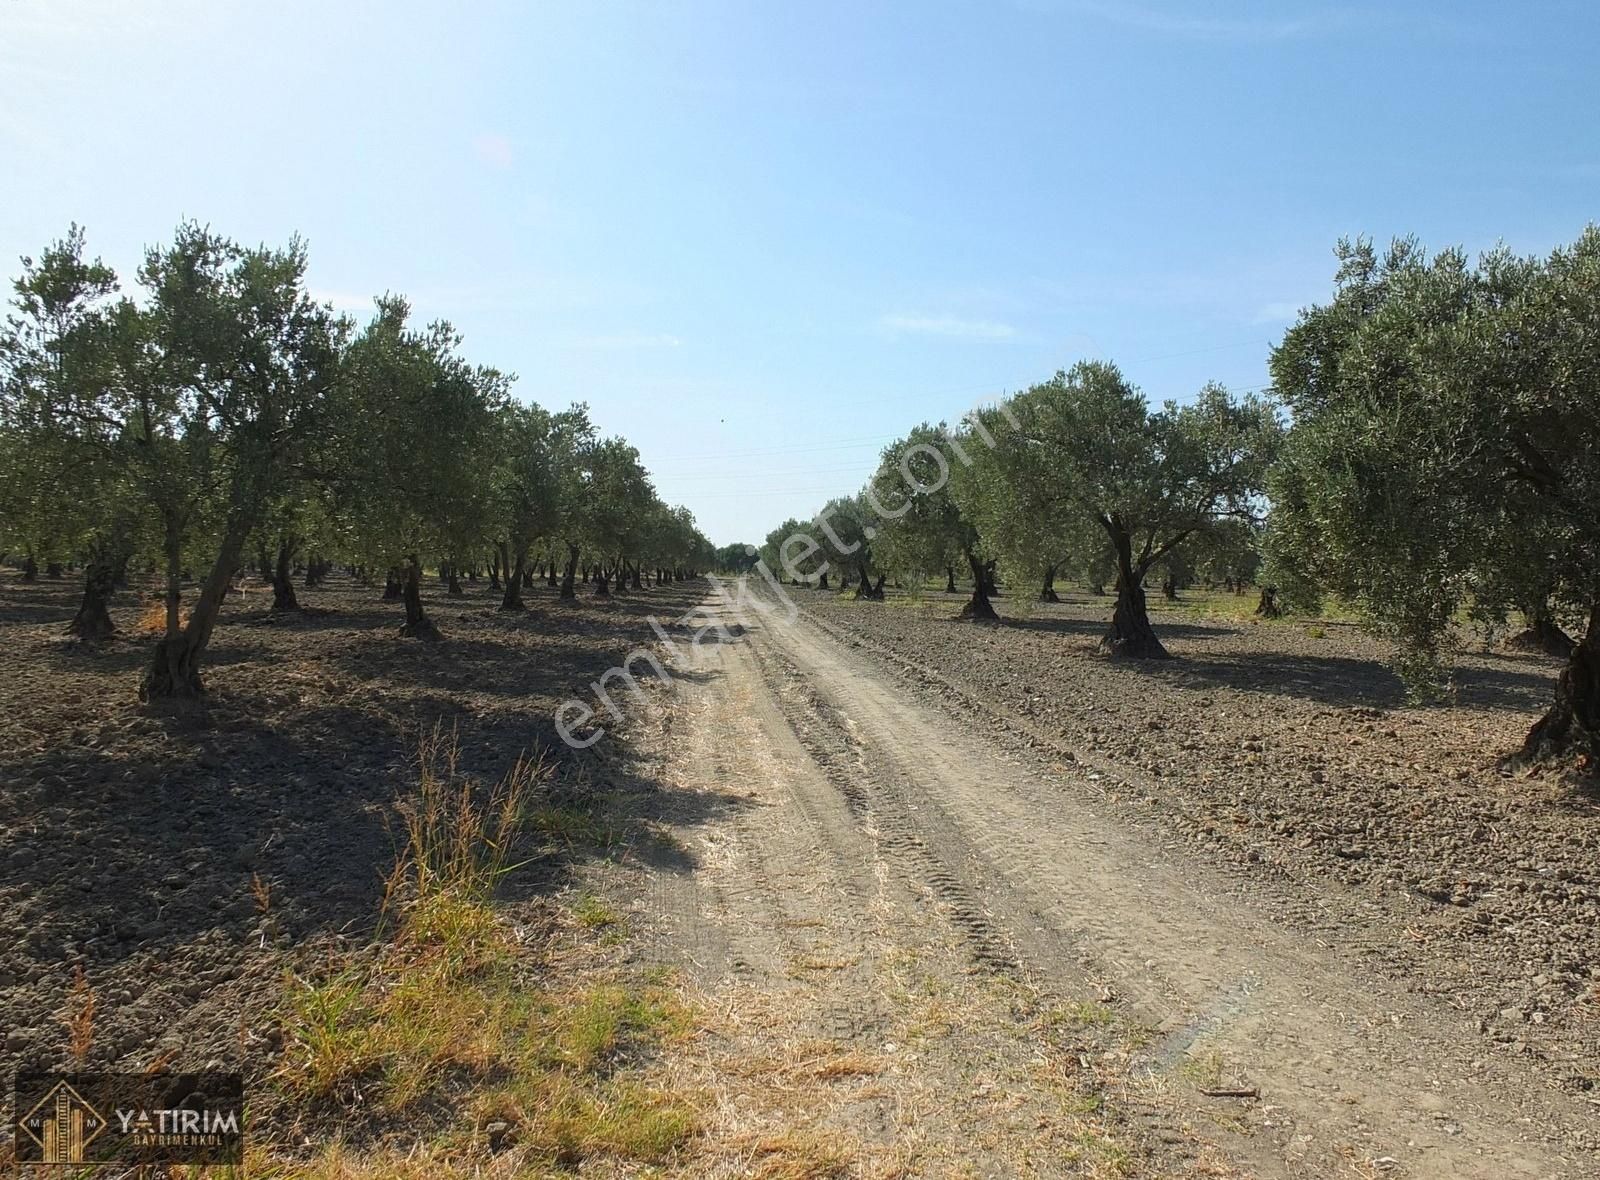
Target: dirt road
{"points": [[873, 830]]}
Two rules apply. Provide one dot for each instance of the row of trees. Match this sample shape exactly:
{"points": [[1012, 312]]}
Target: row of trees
{"points": [[1431, 452], [220, 412], [1076, 476]]}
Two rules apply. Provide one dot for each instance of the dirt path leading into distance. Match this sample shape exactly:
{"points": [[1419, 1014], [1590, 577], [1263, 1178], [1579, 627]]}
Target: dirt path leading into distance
{"points": [[882, 831]]}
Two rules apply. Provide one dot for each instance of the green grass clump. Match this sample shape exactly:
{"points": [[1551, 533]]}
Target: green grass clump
{"points": [[594, 914], [448, 1003]]}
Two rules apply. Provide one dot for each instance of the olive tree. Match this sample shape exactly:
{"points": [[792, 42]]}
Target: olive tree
{"points": [[675, 545], [1446, 453], [65, 482], [1014, 498], [920, 524], [570, 443], [793, 550], [192, 407], [1228, 555], [617, 502], [412, 428], [526, 479], [844, 532], [1149, 480], [737, 558]]}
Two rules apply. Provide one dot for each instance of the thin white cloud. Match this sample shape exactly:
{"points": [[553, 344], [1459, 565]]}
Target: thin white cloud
{"points": [[1276, 313], [946, 325], [629, 340], [342, 300], [494, 150]]}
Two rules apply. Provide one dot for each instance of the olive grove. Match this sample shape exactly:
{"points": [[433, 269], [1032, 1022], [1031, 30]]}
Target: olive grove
{"points": [[218, 414]]}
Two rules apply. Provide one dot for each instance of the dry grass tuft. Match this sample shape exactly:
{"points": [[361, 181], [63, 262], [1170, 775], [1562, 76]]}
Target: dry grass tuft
{"points": [[448, 1007], [260, 893], [152, 619], [79, 1016], [458, 834], [449, 1015], [795, 1155]]}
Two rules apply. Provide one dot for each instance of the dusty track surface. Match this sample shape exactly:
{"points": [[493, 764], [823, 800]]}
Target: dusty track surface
{"points": [[1289, 750], [881, 829]]}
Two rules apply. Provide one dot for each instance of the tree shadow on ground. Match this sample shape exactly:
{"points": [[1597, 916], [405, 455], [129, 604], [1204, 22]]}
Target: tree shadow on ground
{"points": [[308, 619], [1095, 628], [130, 652], [266, 811], [120, 859], [1349, 682], [21, 608], [1584, 797]]}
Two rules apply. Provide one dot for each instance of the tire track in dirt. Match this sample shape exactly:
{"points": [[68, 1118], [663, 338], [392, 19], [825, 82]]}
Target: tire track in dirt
{"points": [[829, 737], [1351, 1070], [786, 883], [817, 921]]}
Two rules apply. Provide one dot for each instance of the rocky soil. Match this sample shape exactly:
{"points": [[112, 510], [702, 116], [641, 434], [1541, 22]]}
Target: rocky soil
{"points": [[183, 859], [1289, 749]]}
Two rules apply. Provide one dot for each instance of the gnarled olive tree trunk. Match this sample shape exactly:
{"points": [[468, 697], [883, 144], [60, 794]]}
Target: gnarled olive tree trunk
{"points": [[1131, 633], [417, 624], [864, 587], [106, 572], [568, 590], [978, 607], [1047, 593], [174, 668], [283, 597], [1573, 721], [93, 622], [515, 579], [1543, 634]]}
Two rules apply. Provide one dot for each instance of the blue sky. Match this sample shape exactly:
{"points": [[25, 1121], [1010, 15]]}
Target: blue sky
{"points": [[763, 239]]}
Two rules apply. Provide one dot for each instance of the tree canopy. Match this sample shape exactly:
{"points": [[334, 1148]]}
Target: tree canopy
{"points": [[222, 410], [1445, 452]]}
